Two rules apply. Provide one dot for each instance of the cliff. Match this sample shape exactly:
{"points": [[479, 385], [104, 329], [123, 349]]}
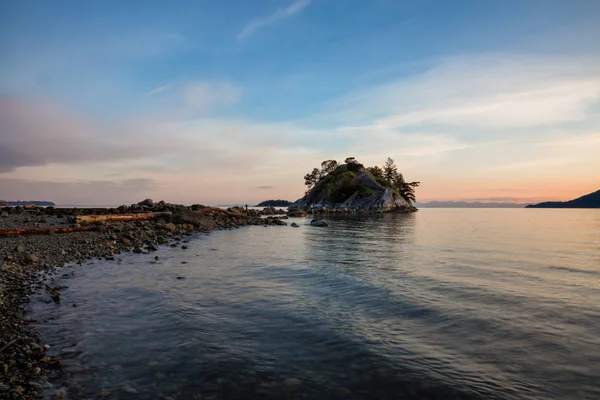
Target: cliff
{"points": [[354, 188], [591, 200]]}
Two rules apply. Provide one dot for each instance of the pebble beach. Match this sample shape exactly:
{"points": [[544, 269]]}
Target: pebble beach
{"points": [[28, 261]]}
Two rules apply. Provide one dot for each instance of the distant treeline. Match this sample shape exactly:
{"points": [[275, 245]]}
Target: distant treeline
{"points": [[274, 203], [591, 200], [24, 203]]}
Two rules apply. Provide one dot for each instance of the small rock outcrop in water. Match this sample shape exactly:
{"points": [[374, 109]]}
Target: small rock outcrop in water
{"points": [[319, 222], [351, 186], [591, 200]]}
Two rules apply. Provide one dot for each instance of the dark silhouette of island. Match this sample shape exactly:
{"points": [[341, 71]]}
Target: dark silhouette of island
{"points": [[591, 200], [40, 203], [274, 203], [464, 204]]}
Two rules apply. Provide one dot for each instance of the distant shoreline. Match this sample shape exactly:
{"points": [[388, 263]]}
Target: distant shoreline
{"points": [[464, 204]]}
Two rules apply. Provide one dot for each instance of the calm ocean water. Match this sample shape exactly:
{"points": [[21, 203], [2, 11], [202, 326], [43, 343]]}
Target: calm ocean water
{"points": [[444, 303]]}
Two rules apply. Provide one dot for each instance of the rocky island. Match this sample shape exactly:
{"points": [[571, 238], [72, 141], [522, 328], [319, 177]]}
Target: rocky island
{"points": [[352, 187], [274, 203]]}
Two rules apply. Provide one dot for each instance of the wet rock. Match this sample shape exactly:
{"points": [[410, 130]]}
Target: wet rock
{"points": [[170, 227], [151, 247], [297, 213], [130, 389], [343, 391], [319, 223], [295, 225], [61, 394], [35, 385], [30, 258], [291, 382], [146, 203], [54, 293]]}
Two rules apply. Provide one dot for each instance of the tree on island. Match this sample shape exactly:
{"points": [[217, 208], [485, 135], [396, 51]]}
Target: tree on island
{"points": [[327, 167], [376, 172], [390, 171], [312, 178]]}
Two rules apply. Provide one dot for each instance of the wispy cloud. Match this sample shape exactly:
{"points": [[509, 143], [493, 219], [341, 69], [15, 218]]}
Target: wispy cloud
{"points": [[158, 89], [282, 13], [265, 187], [204, 95], [491, 91]]}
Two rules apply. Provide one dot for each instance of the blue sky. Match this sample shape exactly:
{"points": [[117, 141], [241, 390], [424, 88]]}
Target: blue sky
{"points": [[208, 101]]}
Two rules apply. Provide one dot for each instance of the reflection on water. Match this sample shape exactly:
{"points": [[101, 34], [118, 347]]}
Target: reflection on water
{"points": [[467, 304]]}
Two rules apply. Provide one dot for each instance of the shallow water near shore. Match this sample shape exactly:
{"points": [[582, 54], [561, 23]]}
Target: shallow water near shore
{"points": [[444, 303]]}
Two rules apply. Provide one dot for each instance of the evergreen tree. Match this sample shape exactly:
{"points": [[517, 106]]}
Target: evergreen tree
{"points": [[312, 178], [407, 190], [352, 164], [327, 167], [390, 171], [376, 171]]}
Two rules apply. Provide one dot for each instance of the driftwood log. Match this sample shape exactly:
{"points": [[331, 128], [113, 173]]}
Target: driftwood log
{"points": [[11, 232], [121, 217], [111, 217]]}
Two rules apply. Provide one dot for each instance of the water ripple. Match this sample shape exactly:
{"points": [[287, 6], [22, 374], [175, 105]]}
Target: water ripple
{"points": [[457, 304]]}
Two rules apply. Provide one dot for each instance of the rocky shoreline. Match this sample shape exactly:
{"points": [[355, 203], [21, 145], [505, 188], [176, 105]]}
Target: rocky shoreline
{"points": [[26, 261]]}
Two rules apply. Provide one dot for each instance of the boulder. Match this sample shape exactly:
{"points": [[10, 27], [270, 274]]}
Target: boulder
{"points": [[30, 258], [170, 227], [146, 203], [182, 215], [297, 213], [319, 223]]}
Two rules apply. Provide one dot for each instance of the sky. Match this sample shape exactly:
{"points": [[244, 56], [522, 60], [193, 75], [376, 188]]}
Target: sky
{"points": [[220, 102]]}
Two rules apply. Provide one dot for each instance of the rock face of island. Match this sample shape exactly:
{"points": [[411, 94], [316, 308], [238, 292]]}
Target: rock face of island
{"points": [[591, 200], [274, 203], [352, 186]]}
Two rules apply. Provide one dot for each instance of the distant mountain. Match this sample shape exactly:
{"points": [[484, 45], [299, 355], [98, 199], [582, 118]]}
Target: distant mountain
{"points": [[274, 203], [591, 200], [464, 204], [35, 202]]}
